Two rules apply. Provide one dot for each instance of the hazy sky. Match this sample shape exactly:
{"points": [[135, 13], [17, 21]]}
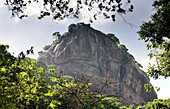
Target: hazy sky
{"points": [[22, 34]]}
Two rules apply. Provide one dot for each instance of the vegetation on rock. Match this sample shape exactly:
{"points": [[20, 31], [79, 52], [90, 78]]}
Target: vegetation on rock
{"points": [[46, 47], [72, 27], [56, 36], [123, 48], [40, 52], [113, 38]]}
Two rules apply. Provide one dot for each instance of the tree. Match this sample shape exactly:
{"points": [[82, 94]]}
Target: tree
{"points": [[72, 27], [78, 94], [24, 85], [40, 53], [46, 47], [156, 34], [56, 35], [60, 9], [156, 104]]}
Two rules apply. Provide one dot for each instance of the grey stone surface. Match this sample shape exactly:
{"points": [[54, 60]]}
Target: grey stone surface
{"points": [[89, 52]]}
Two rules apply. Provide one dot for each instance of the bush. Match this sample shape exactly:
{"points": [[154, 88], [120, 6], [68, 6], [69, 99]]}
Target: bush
{"points": [[72, 27], [46, 47], [123, 48], [65, 33], [156, 104], [40, 52], [113, 38], [22, 84]]}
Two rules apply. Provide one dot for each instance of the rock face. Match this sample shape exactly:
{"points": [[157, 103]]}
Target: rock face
{"points": [[89, 52]]}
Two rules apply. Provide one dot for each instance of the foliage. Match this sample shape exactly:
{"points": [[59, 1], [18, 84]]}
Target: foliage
{"points": [[131, 56], [40, 52], [113, 38], [65, 33], [41, 64], [156, 34], [56, 35], [123, 48], [82, 24], [60, 9], [72, 27], [156, 104], [46, 47], [138, 64], [148, 87], [80, 96], [24, 85], [106, 103]]}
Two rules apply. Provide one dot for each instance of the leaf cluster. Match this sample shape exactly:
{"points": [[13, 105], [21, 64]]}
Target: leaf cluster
{"points": [[61, 9], [46, 47], [22, 84], [156, 34], [113, 38], [156, 104]]}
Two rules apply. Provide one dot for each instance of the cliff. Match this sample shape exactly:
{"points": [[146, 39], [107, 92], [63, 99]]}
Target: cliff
{"points": [[89, 52]]}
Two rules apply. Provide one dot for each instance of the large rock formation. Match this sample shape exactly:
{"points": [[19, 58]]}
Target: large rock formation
{"points": [[89, 52]]}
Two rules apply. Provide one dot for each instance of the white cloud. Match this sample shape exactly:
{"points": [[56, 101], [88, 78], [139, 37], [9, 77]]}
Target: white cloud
{"points": [[33, 9], [2, 3], [164, 85], [164, 94]]}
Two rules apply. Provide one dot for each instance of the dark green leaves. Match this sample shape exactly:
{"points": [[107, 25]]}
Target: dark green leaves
{"points": [[123, 48], [131, 8], [43, 14], [113, 38], [156, 34], [20, 84], [72, 27], [113, 18], [60, 9], [70, 10], [46, 47], [148, 87]]}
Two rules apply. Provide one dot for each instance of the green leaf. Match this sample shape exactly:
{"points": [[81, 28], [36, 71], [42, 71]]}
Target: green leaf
{"points": [[3, 69], [53, 79]]}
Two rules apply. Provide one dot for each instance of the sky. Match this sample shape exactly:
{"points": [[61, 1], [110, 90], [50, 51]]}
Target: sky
{"points": [[20, 35]]}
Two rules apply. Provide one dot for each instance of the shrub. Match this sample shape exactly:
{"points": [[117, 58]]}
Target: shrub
{"points": [[113, 38], [46, 47]]}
